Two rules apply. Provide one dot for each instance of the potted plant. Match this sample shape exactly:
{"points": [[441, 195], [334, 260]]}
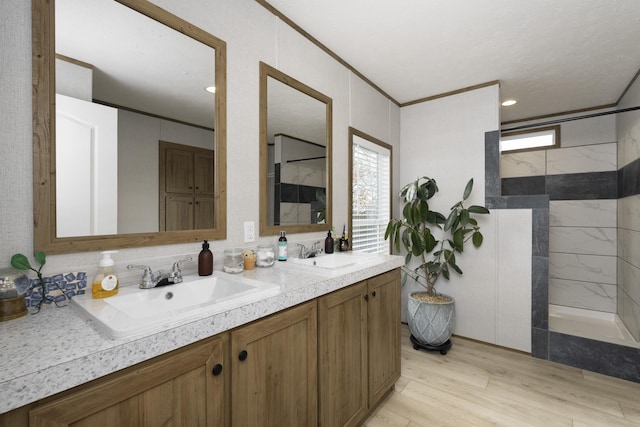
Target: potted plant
{"points": [[434, 240]]}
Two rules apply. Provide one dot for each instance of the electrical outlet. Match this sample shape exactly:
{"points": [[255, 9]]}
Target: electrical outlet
{"points": [[249, 231]]}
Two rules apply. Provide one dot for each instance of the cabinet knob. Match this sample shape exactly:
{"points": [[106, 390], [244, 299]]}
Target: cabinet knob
{"points": [[243, 355], [373, 294], [366, 297], [217, 370]]}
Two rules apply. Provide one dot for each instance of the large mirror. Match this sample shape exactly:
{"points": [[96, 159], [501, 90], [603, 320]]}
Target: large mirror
{"points": [[295, 155], [129, 145]]}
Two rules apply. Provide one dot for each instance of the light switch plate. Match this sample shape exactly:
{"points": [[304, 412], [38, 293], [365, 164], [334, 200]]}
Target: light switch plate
{"points": [[249, 231]]}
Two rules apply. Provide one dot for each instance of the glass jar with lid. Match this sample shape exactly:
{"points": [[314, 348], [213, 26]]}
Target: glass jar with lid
{"points": [[265, 256], [233, 261]]}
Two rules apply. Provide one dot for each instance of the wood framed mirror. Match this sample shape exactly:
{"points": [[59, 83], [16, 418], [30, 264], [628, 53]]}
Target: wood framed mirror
{"points": [[295, 155], [110, 194]]}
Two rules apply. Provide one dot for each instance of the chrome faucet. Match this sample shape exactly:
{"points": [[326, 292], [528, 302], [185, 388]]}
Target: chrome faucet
{"points": [[149, 280], [314, 251]]}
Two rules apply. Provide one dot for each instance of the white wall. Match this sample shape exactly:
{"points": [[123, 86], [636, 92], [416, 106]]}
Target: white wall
{"points": [[444, 139], [252, 34]]}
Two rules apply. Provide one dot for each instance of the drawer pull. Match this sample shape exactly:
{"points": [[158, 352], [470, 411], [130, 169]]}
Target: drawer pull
{"points": [[217, 370], [243, 355]]}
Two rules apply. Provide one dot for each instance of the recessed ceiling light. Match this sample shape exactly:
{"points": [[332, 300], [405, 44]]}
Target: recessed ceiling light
{"points": [[210, 89], [509, 102]]}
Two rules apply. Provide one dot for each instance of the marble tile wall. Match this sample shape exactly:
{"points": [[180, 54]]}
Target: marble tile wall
{"points": [[628, 303], [581, 182], [588, 158]]}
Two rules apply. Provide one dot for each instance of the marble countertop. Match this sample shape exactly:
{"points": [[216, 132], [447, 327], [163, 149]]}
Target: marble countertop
{"points": [[57, 349]]}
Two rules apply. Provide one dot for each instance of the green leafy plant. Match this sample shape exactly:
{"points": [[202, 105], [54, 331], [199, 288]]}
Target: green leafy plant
{"points": [[21, 262], [430, 236]]}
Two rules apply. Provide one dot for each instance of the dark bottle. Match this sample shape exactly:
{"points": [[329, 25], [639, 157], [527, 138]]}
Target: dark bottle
{"points": [[343, 243], [282, 247], [328, 243], [205, 261]]}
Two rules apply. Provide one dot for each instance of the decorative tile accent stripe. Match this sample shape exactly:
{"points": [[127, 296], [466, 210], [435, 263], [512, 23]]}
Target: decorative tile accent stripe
{"points": [[60, 286], [629, 179], [574, 186]]}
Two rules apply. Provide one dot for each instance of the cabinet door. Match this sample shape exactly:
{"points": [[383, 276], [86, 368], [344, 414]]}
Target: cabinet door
{"points": [[203, 212], [274, 370], [342, 361], [384, 334], [179, 174], [179, 213], [178, 389], [203, 171]]}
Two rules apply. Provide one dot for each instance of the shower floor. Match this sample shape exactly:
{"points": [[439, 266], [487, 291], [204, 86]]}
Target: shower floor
{"points": [[590, 324]]}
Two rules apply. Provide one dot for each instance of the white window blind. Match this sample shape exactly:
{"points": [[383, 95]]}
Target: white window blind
{"points": [[371, 196]]}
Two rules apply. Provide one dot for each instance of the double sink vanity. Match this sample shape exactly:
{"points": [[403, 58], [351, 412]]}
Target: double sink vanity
{"points": [[306, 342]]}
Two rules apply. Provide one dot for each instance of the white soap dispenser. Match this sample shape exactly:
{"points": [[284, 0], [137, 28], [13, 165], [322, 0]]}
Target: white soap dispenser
{"points": [[105, 284]]}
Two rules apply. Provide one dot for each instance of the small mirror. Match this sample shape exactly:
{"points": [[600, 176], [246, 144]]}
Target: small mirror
{"points": [[129, 147], [295, 155]]}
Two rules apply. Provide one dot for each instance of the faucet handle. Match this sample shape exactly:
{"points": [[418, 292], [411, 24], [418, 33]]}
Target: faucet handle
{"points": [[177, 266], [176, 270], [147, 275], [303, 250]]}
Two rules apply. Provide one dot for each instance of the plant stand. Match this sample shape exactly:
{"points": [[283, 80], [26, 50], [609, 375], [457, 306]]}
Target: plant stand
{"points": [[442, 348]]}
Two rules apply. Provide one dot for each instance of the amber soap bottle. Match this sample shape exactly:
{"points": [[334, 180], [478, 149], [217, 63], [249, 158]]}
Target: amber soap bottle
{"points": [[205, 261]]}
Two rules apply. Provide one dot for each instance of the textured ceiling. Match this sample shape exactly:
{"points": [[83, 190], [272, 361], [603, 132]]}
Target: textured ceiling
{"points": [[550, 55]]}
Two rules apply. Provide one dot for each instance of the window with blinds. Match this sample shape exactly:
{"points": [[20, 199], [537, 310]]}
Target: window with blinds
{"points": [[371, 208]]}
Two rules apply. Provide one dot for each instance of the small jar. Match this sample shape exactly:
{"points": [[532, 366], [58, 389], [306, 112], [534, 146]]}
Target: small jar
{"points": [[265, 256], [233, 261]]}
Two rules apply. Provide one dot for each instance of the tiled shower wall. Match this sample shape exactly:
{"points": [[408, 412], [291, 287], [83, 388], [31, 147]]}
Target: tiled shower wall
{"points": [[629, 212], [580, 179]]}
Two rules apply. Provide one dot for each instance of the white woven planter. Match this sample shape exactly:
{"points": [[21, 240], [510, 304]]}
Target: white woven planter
{"points": [[431, 324]]}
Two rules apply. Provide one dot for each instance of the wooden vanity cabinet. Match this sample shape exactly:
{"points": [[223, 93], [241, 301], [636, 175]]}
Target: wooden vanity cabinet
{"points": [[326, 362], [274, 370], [183, 388], [359, 348]]}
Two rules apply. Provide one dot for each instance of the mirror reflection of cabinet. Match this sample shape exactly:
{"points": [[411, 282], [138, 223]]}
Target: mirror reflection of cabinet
{"points": [[186, 187]]}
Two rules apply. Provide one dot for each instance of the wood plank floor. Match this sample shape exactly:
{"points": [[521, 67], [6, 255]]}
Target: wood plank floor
{"points": [[477, 384]]}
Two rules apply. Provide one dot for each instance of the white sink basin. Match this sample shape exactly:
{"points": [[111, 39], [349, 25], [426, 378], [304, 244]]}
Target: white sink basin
{"points": [[135, 310], [336, 261]]}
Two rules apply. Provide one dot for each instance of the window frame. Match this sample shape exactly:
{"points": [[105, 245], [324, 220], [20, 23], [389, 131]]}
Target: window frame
{"points": [[355, 132], [554, 129]]}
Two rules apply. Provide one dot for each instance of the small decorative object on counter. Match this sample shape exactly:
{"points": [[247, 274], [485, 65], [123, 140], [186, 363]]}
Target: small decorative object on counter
{"points": [[105, 284], [249, 259], [42, 291], [265, 257], [282, 247], [233, 261], [328, 243], [13, 284], [343, 245], [205, 260]]}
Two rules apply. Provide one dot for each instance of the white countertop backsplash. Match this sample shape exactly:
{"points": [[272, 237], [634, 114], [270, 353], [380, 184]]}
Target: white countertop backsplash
{"points": [[57, 349]]}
